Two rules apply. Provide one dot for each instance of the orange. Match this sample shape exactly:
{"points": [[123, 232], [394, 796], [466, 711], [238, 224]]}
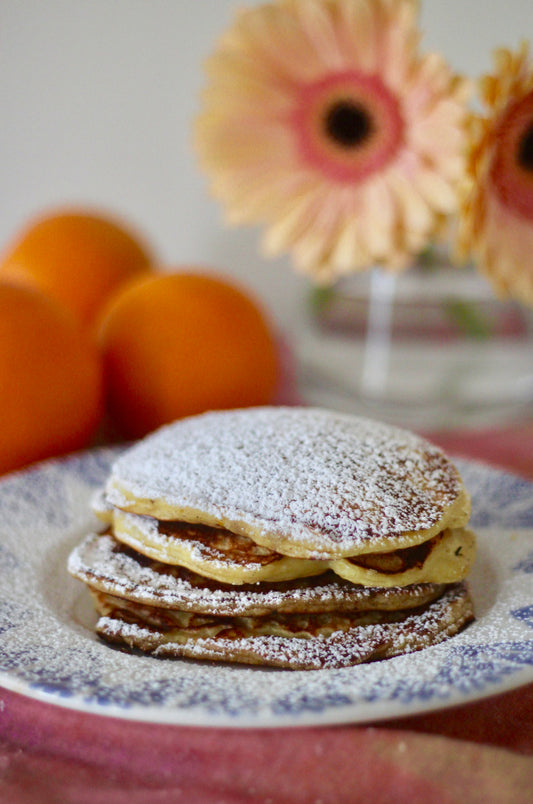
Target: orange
{"points": [[178, 344], [76, 257], [50, 379]]}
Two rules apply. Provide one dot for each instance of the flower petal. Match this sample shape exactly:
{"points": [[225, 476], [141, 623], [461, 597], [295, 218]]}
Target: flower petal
{"points": [[323, 123], [496, 222]]}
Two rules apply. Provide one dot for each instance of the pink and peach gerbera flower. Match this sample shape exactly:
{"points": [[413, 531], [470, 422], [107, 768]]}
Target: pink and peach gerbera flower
{"points": [[496, 221], [322, 123]]}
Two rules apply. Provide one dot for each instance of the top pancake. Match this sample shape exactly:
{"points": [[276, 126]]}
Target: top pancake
{"points": [[305, 482]]}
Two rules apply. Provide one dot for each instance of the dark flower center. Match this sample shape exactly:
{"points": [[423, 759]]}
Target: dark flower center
{"points": [[349, 124], [525, 151]]}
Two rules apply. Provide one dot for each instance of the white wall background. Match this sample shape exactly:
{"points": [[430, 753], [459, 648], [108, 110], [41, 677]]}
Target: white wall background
{"points": [[96, 100]]}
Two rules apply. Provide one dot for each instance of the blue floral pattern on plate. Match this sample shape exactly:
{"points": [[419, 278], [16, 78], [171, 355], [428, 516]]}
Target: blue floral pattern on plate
{"points": [[48, 649]]}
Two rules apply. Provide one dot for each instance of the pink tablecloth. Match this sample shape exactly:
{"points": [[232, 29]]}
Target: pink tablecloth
{"points": [[482, 752]]}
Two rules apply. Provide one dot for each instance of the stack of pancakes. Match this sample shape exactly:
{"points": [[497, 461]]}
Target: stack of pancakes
{"points": [[288, 537]]}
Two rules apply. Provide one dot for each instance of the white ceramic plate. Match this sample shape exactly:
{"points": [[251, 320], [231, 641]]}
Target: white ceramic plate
{"points": [[48, 649]]}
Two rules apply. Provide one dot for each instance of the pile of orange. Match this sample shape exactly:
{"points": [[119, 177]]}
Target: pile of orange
{"points": [[93, 337]]}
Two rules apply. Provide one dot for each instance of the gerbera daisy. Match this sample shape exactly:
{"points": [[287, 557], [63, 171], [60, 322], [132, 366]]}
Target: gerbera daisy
{"points": [[496, 222], [322, 122]]}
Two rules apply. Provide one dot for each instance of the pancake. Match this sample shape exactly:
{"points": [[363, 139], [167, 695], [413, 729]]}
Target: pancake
{"points": [[292, 641], [108, 566], [288, 537], [303, 482], [232, 558]]}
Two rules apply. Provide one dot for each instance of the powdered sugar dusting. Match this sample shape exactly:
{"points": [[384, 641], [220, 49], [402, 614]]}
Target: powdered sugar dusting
{"points": [[333, 482]]}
